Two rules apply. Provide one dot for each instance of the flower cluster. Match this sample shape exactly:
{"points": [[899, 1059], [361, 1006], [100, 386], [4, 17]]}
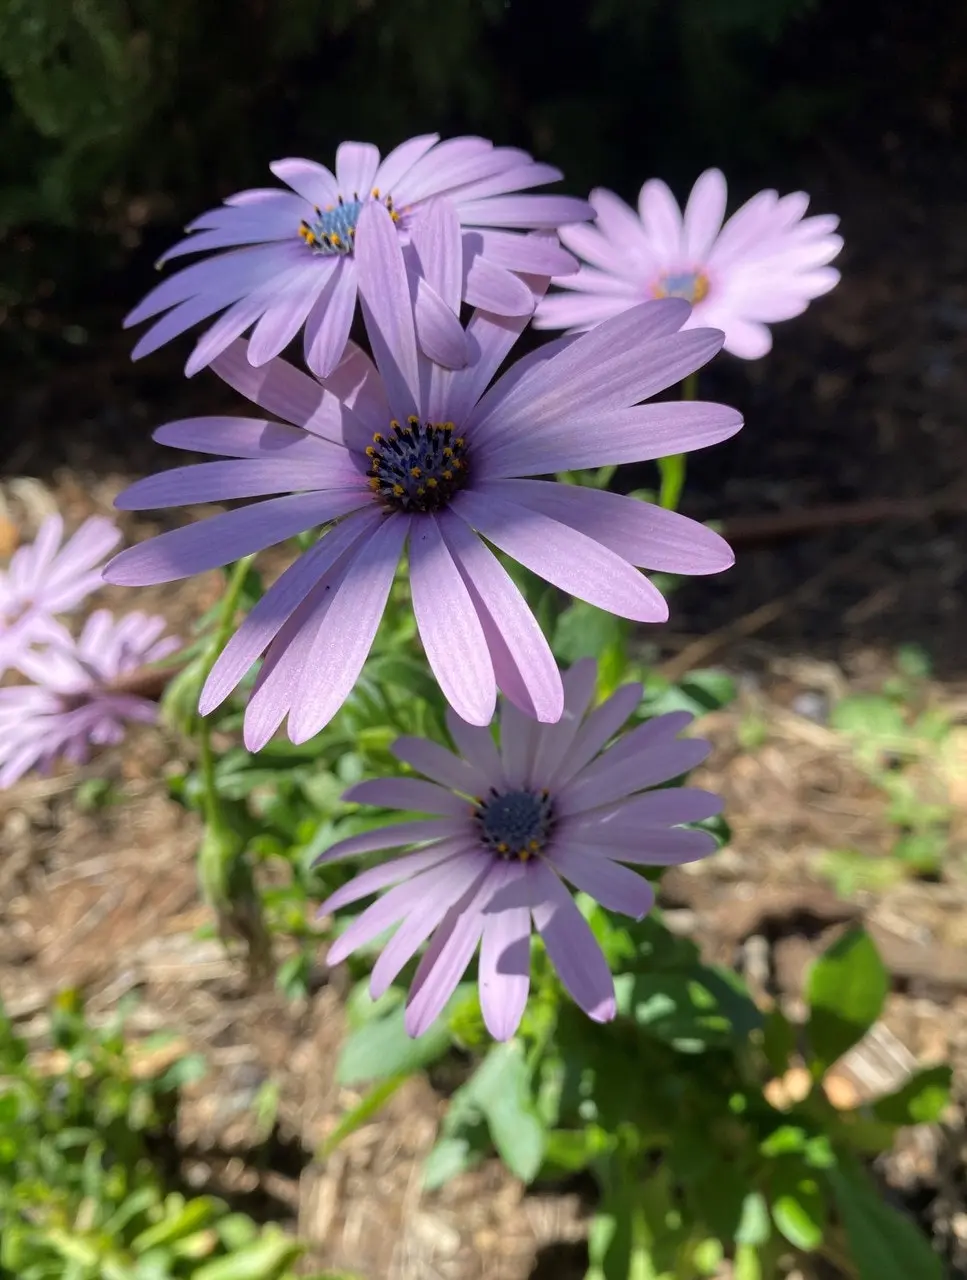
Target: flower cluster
{"points": [[423, 452], [81, 692]]}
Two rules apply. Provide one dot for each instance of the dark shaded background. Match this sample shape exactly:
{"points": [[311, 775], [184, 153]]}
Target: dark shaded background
{"points": [[121, 121]]}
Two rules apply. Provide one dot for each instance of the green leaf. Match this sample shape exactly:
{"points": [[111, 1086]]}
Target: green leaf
{"points": [[798, 1207], [754, 1226], [884, 1244], [449, 1157], [569, 1151], [381, 1048], [845, 990], [365, 1109], [778, 1040], [265, 1259], [746, 1265], [501, 1089], [921, 1100]]}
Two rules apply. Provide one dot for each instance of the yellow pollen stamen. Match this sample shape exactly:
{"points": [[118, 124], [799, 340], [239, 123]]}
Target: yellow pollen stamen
{"points": [[415, 472], [448, 475], [431, 482], [398, 490], [503, 848], [370, 451]]}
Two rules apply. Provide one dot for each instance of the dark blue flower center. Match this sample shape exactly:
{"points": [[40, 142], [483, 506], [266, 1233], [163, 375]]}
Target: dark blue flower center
{"points": [[333, 230], [515, 824], [418, 466], [690, 285]]}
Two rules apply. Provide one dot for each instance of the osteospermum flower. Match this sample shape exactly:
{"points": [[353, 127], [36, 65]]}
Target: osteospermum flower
{"points": [[82, 695], [410, 454], [512, 824], [44, 578], [765, 264], [299, 257]]}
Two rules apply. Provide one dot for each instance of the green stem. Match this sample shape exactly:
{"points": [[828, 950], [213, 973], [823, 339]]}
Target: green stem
{"points": [[672, 468]]}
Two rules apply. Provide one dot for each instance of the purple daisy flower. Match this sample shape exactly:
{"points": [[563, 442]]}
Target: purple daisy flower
{"points": [[765, 264], [413, 453], [511, 825], [80, 696], [44, 578], [299, 257]]}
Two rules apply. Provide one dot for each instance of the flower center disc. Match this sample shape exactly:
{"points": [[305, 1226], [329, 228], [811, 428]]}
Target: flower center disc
{"points": [[515, 824], [690, 285], [419, 466], [333, 230]]}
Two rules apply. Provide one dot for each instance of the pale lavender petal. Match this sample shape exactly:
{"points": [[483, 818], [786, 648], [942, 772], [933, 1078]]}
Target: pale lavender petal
{"points": [[285, 317], [331, 318], [446, 880], [636, 434], [394, 836], [437, 239], [514, 176], [747, 339], [277, 387], [671, 805], [477, 746], [579, 312], [746, 228], [612, 885], [356, 165], [635, 843], [410, 794], [523, 663], [522, 369], [438, 328], [493, 288], [659, 729], [449, 165], [523, 211], [238, 478], [226, 329], [314, 182], [343, 642], [233, 236], [601, 725], [703, 215], [356, 382], [643, 534], [394, 871], [268, 614], [245, 438], [438, 764], [570, 944], [661, 218], [623, 227], [649, 769], [442, 967], [519, 736], [449, 627], [214, 282], [589, 243], [388, 309], [400, 160], [579, 682], [218, 541], [504, 969], [534, 254], [563, 556]]}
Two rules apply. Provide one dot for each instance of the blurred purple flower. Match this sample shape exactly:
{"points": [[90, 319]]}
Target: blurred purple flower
{"points": [[512, 823], [44, 578], [80, 696], [299, 259], [765, 264], [418, 453]]}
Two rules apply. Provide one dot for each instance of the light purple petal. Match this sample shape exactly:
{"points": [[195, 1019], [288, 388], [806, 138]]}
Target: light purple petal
{"points": [[356, 165], [314, 182], [570, 944], [410, 794], [613, 886], [356, 382], [239, 317], [623, 228], [450, 164], [218, 541], [669, 805], [600, 726], [240, 438], [662, 219], [449, 627], [267, 616], [641, 533], [437, 239], [537, 255], [285, 317], [524, 665], [639, 433], [396, 835], [523, 211], [703, 215], [394, 871], [579, 683], [516, 175], [648, 769], [494, 288], [388, 309], [400, 160], [747, 339], [215, 282], [578, 312], [519, 736], [238, 478], [443, 966], [662, 729], [632, 842], [562, 556], [477, 746], [277, 387], [438, 764], [330, 320], [440, 333], [343, 642], [504, 967]]}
